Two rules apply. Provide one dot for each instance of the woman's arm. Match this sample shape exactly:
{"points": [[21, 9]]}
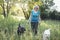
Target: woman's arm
{"points": [[39, 18]]}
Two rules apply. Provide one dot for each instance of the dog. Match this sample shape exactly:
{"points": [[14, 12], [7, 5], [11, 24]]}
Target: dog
{"points": [[20, 30], [46, 34]]}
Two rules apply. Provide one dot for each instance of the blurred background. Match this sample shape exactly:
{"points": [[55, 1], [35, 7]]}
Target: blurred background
{"points": [[13, 12]]}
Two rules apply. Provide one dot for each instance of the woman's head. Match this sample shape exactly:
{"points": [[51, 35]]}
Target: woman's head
{"points": [[36, 8]]}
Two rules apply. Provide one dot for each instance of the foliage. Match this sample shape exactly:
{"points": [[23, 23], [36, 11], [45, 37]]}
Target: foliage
{"points": [[54, 15], [45, 8], [6, 6], [7, 24], [11, 25], [0, 10]]}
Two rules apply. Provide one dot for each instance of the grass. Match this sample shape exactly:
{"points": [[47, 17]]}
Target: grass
{"points": [[11, 25]]}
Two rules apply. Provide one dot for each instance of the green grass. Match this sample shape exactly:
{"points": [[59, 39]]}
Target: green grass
{"points": [[11, 25]]}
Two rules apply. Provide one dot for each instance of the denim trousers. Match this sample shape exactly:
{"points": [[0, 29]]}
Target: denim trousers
{"points": [[34, 27]]}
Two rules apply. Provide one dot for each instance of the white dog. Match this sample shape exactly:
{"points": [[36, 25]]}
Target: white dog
{"points": [[46, 34]]}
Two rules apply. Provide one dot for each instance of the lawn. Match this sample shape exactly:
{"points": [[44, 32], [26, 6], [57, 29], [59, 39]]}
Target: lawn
{"points": [[10, 25]]}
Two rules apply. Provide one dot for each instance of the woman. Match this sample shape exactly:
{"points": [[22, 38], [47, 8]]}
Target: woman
{"points": [[34, 19]]}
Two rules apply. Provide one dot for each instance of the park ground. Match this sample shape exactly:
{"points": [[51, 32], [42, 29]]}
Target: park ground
{"points": [[11, 25]]}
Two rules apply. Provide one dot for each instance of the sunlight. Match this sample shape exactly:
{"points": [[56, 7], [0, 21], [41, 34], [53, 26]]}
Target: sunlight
{"points": [[17, 5], [19, 12], [57, 3], [18, 17]]}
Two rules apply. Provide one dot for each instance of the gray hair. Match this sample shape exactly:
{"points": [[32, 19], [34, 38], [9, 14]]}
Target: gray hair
{"points": [[36, 7]]}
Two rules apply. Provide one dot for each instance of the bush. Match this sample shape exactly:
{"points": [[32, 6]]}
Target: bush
{"points": [[57, 16], [54, 15], [8, 24], [44, 15]]}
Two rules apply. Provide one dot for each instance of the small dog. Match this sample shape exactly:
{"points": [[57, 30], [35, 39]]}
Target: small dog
{"points": [[46, 34], [20, 30]]}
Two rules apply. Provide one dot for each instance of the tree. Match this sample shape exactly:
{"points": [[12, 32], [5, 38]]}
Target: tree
{"points": [[6, 6], [2, 5], [45, 8]]}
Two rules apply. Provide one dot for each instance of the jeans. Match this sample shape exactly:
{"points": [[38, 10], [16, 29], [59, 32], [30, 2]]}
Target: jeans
{"points": [[34, 27]]}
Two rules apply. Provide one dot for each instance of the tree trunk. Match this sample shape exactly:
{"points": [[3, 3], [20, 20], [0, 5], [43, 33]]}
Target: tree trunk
{"points": [[4, 12], [7, 8]]}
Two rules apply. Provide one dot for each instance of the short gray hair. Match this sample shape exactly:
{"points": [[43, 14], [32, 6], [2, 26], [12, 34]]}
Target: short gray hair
{"points": [[36, 7]]}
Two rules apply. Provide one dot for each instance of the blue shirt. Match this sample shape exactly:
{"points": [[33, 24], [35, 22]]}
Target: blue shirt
{"points": [[35, 16]]}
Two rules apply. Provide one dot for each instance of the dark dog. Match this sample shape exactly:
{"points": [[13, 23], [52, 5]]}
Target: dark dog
{"points": [[20, 30]]}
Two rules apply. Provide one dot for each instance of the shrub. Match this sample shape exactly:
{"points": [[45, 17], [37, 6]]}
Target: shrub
{"points": [[8, 24]]}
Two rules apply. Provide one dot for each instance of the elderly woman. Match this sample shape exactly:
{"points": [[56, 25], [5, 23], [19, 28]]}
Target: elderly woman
{"points": [[34, 19]]}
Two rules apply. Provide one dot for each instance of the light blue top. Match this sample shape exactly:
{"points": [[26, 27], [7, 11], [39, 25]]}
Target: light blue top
{"points": [[35, 16]]}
